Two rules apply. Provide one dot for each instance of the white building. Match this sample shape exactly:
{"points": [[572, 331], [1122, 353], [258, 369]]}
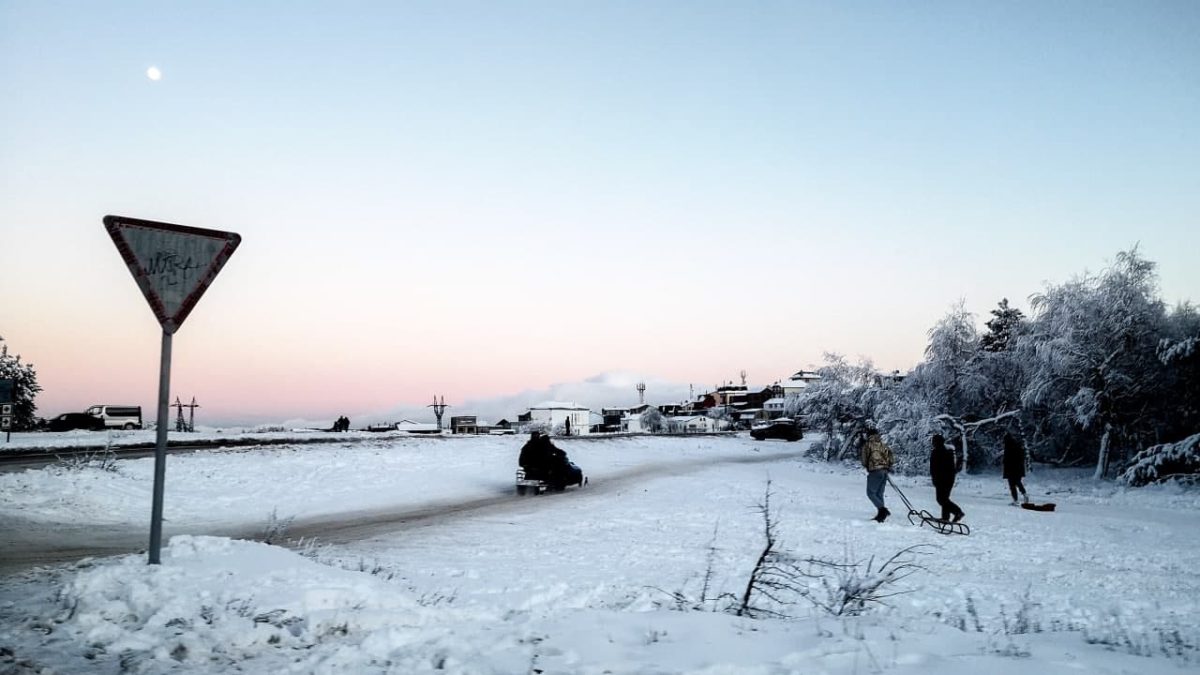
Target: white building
{"points": [[691, 424], [559, 416], [411, 427], [775, 407], [797, 383], [632, 424]]}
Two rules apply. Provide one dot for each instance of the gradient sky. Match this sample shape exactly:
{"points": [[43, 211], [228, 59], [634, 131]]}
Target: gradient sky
{"points": [[479, 198]]}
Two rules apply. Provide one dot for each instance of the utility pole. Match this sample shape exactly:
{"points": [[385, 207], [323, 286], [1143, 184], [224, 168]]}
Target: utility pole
{"points": [[641, 390], [190, 424], [192, 414], [438, 409], [180, 425]]}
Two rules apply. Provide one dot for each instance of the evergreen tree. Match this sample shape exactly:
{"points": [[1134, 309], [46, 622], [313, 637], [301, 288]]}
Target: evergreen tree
{"points": [[1006, 324], [25, 379]]}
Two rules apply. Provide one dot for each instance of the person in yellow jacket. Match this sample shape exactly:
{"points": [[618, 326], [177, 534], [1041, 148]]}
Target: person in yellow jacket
{"points": [[877, 460]]}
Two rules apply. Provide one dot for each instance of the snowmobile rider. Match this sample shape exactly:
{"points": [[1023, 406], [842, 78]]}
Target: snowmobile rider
{"points": [[877, 460], [541, 459]]}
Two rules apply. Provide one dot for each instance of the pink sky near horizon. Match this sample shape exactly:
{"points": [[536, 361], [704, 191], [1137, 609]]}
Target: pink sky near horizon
{"points": [[245, 357]]}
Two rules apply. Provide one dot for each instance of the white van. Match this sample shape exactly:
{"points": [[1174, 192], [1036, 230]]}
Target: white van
{"points": [[118, 416]]}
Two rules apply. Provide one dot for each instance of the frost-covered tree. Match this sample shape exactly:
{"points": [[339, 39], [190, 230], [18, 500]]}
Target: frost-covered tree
{"points": [[951, 382], [961, 384], [1166, 462], [26, 387], [842, 404], [1100, 371], [1092, 353], [721, 414], [1179, 352], [907, 424], [653, 420]]}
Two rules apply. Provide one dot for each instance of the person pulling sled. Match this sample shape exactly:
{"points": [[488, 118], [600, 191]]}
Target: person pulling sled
{"points": [[943, 468]]}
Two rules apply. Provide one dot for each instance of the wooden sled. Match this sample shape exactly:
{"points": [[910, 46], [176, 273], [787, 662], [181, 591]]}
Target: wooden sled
{"points": [[1038, 507], [923, 517]]}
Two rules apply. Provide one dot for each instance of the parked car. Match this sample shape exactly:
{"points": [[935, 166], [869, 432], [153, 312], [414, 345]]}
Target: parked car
{"points": [[784, 429], [118, 416], [72, 421]]}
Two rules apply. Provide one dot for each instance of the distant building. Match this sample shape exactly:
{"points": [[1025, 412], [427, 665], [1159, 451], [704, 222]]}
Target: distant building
{"points": [[775, 407], [464, 424], [748, 417], [562, 417], [887, 380], [797, 383], [691, 424], [677, 409], [617, 419], [736, 396], [411, 427]]}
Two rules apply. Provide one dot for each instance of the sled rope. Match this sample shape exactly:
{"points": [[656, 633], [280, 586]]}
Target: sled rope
{"points": [[923, 517]]}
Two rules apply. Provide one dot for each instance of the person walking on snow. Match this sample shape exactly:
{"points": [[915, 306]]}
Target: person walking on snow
{"points": [[1014, 467], [877, 460], [942, 468]]}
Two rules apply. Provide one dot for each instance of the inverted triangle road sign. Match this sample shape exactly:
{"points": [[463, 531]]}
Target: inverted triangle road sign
{"points": [[172, 264]]}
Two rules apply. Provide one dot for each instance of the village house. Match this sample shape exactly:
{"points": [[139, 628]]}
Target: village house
{"points": [[557, 416], [691, 424]]}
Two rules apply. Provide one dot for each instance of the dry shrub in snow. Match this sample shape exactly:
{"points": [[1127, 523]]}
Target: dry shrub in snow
{"points": [[852, 588], [276, 527], [104, 459], [840, 588]]}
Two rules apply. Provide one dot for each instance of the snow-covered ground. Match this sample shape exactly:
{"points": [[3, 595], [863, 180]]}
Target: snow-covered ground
{"points": [[607, 579]]}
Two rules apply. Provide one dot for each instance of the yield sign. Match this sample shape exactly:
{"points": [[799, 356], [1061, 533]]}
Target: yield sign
{"points": [[172, 264]]}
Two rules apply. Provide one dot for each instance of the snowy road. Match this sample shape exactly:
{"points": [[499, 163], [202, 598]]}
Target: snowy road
{"points": [[29, 543]]}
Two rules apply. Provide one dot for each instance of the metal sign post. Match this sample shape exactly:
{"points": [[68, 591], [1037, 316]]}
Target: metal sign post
{"points": [[173, 265], [8, 397]]}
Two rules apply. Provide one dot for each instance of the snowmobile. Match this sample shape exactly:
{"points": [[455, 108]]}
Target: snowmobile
{"points": [[539, 482]]}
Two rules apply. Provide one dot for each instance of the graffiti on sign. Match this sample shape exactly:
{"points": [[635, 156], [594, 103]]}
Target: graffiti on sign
{"points": [[172, 264]]}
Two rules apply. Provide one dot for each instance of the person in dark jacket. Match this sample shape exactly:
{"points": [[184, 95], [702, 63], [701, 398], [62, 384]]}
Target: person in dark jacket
{"points": [[535, 456], [1014, 467], [542, 460], [942, 468]]}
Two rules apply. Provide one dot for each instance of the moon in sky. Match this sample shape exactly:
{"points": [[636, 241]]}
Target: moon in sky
{"points": [[154, 73]]}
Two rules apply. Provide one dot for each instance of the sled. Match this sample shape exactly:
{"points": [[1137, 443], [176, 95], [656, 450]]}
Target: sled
{"points": [[1038, 507], [924, 517]]}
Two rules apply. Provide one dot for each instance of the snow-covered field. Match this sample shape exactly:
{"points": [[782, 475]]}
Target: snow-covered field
{"points": [[52, 440], [607, 579]]}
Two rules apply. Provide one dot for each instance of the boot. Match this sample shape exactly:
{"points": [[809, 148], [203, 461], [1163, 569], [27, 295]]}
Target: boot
{"points": [[883, 514], [879, 515], [958, 516]]}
